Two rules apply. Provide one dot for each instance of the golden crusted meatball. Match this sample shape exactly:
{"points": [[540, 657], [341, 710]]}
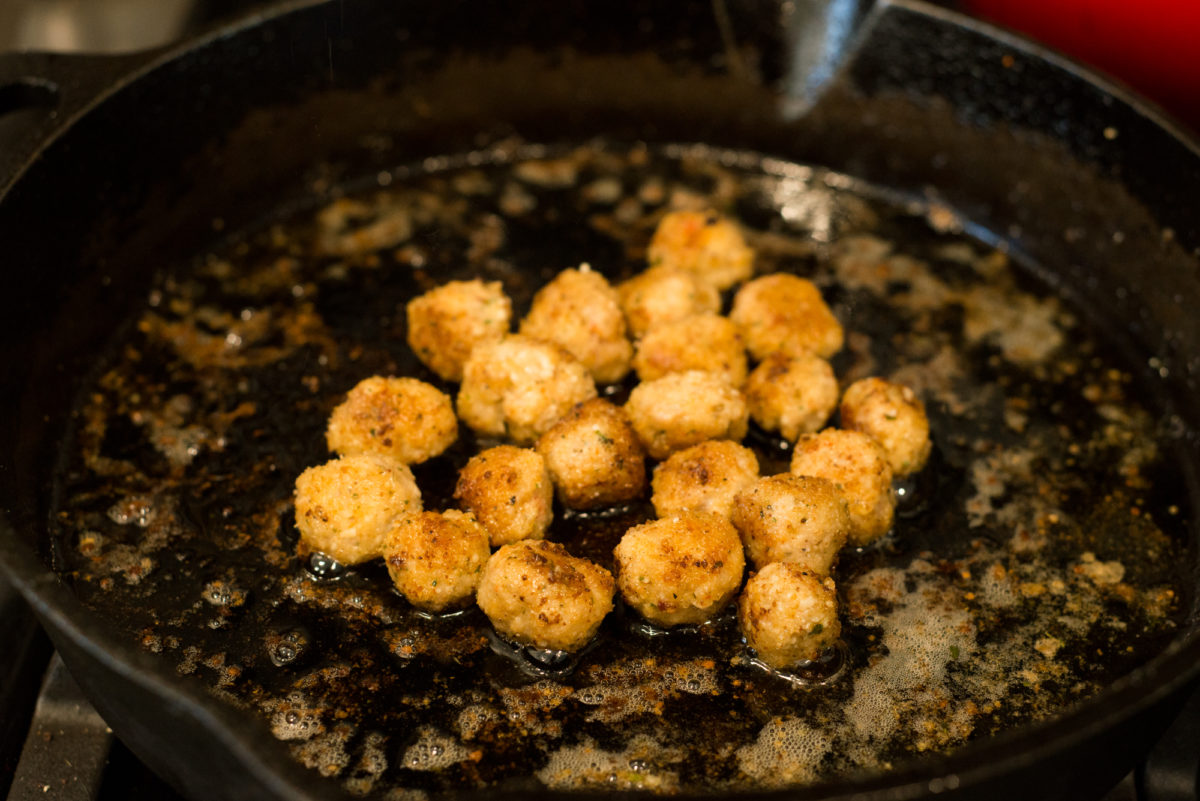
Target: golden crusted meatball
{"points": [[445, 324], [579, 311], [519, 387], [684, 409], [801, 519], [435, 559], [345, 507], [594, 457], [789, 614], [703, 243], [508, 490], [858, 467], [785, 313], [663, 295], [894, 416], [703, 478], [791, 395], [700, 342], [680, 569], [403, 418], [536, 593]]}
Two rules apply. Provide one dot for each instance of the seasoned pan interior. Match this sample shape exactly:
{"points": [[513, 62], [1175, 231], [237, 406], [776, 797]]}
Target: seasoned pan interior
{"points": [[1040, 556]]}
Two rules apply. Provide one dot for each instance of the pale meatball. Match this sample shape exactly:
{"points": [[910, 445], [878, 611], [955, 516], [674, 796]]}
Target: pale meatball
{"points": [[684, 409], [663, 295], [445, 324], [789, 615], [519, 387], [536, 593], [345, 507], [858, 467], [403, 418], [786, 313], [703, 243], [801, 519], [680, 569], [894, 416], [594, 457], [435, 559], [703, 478], [701, 342], [580, 311], [792, 395], [509, 491]]}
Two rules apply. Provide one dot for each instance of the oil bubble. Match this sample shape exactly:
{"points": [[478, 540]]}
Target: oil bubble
{"points": [[324, 567]]}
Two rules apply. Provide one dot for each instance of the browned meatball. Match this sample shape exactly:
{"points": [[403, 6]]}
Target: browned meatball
{"points": [[345, 507], [786, 313], [403, 418], [792, 395], [435, 559], [703, 478], [536, 593], [789, 614], [894, 416], [509, 491], [519, 387], [700, 342], [579, 311], [683, 409], [663, 295], [445, 324], [594, 456], [680, 569], [858, 467], [703, 243], [801, 519]]}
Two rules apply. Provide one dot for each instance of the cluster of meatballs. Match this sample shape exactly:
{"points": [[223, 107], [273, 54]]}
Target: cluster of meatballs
{"points": [[696, 393]]}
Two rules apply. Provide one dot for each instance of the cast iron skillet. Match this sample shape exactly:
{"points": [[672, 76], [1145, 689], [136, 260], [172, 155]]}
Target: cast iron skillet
{"points": [[135, 157]]}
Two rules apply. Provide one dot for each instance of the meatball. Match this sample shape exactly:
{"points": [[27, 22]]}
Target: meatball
{"points": [[663, 295], [700, 342], [894, 416], [680, 569], [791, 395], [580, 311], [536, 593], [594, 457], [783, 312], [801, 519], [789, 614], [435, 559], [703, 243], [345, 507], [508, 490], [858, 467], [684, 409], [519, 387], [445, 324], [703, 478], [403, 418]]}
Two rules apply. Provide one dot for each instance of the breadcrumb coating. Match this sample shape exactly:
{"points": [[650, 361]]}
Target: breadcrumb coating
{"points": [[509, 491], [701, 342], [680, 569], [792, 395], [789, 614], [536, 593], [345, 507], [436, 559], [859, 468], [662, 295], [684, 409], [703, 478], [787, 518], [447, 322], [784, 313], [594, 457], [703, 243], [892, 414], [403, 418]]}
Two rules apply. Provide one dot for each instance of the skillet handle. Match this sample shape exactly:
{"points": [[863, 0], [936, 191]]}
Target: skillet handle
{"points": [[41, 93]]}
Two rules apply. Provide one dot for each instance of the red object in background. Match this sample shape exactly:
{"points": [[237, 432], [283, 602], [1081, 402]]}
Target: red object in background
{"points": [[1152, 46]]}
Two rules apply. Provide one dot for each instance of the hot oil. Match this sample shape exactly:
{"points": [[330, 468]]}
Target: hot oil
{"points": [[1033, 561]]}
